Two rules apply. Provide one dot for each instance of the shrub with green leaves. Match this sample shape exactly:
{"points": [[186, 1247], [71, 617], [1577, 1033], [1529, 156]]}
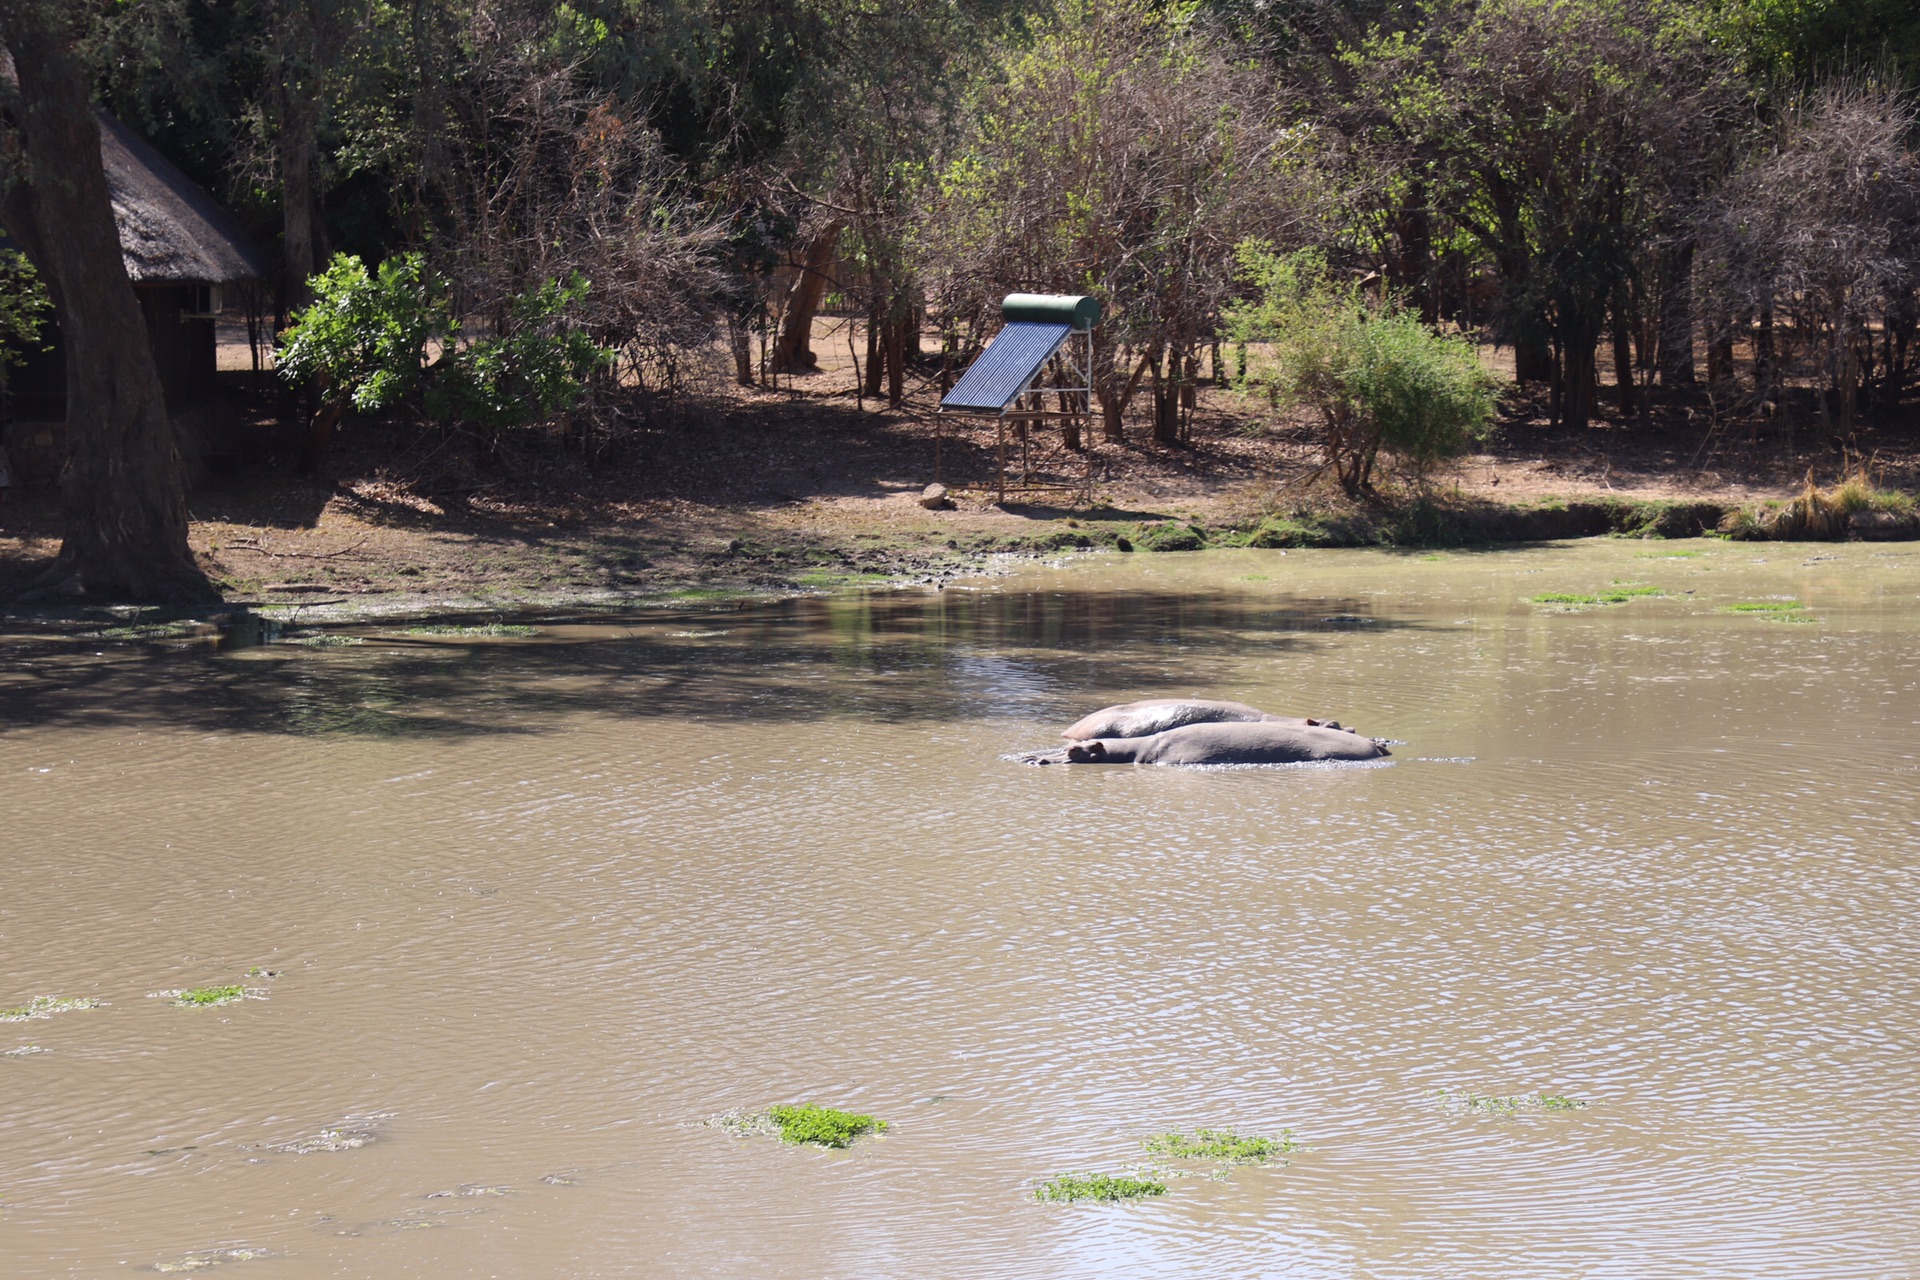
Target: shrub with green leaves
{"points": [[1378, 378], [367, 337], [534, 368], [386, 339]]}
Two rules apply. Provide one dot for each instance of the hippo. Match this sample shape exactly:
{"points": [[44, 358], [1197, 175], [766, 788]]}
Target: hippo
{"points": [[1222, 742], [1139, 719]]}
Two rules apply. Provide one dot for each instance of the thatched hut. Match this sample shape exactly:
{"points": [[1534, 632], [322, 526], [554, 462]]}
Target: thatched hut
{"points": [[181, 250]]}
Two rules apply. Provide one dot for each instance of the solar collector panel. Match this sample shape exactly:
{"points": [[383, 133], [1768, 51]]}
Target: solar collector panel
{"points": [[1006, 367]]}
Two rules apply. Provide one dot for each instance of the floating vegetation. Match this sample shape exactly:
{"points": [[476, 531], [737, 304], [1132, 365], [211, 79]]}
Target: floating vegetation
{"points": [[210, 1258], [822, 1126], [1618, 593], [209, 997], [45, 1007], [805, 1123], [1104, 1188], [468, 1190], [473, 629], [260, 971], [695, 635], [326, 1140], [324, 641], [1775, 610], [1490, 1105], [153, 631], [1221, 1145], [1670, 555]]}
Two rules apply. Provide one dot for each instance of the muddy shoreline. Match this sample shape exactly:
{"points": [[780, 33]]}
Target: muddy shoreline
{"points": [[771, 494]]}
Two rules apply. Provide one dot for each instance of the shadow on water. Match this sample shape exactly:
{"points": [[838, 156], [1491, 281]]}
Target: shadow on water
{"points": [[883, 657]]}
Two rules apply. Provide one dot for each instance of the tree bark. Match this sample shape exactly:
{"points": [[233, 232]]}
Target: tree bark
{"points": [[900, 333], [296, 200], [297, 31], [1622, 365], [793, 352], [1577, 403], [876, 373], [1676, 316], [123, 486], [741, 343]]}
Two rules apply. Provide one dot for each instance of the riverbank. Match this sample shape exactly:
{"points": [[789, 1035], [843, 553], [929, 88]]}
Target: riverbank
{"points": [[772, 493]]}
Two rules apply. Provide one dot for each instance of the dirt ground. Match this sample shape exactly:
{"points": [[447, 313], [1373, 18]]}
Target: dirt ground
{"points": [[810, 486]]}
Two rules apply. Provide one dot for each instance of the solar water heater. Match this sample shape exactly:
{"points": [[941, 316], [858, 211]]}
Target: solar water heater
{"points": [[1006, 380]]}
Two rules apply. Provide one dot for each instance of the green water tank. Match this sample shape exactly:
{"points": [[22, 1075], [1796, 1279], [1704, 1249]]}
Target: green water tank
{"points": [[1078, 310]]}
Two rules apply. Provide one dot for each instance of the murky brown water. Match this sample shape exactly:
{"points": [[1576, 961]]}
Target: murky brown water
{"points": [[539, 907]]}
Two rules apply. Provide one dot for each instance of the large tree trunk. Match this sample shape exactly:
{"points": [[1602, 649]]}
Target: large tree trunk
{"points": [[793, 352], [124, 491]]}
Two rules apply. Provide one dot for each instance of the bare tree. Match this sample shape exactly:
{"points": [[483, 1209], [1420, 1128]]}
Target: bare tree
{"points": [[1819, 238]]}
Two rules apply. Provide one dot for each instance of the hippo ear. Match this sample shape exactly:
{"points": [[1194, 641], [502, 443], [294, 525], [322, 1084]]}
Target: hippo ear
{"points": [[1314, 724], [1097, 750]]}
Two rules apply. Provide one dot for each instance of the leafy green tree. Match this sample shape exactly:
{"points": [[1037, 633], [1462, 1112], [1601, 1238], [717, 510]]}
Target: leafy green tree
{"points": [[1378, 378], [1123, 153], [24, 307]]}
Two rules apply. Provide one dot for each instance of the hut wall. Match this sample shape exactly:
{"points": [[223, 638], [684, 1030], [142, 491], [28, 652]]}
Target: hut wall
{"points": [[183, 350], [183, 353]]}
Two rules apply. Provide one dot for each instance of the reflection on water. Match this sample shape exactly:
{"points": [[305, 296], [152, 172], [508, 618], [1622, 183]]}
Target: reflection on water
{"points": [[537, 907]]}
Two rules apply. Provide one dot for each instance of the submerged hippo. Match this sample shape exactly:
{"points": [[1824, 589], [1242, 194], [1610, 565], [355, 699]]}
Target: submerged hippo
{"points": [[1155, 715], [1226, 742]]}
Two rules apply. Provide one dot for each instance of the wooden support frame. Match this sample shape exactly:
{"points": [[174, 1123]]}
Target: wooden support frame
{"points": [[1076, 405]]}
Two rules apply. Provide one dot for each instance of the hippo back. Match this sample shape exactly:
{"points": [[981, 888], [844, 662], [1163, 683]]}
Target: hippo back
{"points": [[1266, 742], [1155, 715]]}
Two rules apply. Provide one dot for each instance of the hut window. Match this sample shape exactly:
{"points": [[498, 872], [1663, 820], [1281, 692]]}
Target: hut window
{"points": [[205, 304]]}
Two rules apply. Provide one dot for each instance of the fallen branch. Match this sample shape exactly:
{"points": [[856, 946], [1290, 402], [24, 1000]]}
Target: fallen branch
{"points": [[294, 555]]}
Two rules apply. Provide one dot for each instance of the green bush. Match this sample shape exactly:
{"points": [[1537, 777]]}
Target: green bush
{"points": [[366, 339], [380, 340], [1378, 377]]}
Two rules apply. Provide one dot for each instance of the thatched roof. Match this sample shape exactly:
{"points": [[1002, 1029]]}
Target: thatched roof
{"points": [[171, 232]]}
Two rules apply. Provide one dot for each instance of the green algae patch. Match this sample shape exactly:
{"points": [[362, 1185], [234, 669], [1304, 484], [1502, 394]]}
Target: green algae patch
{"points": [[209, 997], [1102, 1188], [209, 1259], [821, 1126], [1618, 593], [1221, 1145], [1773, 610], [45, 1007], [803, 1124], [480, 629], [1496, 1105]]}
